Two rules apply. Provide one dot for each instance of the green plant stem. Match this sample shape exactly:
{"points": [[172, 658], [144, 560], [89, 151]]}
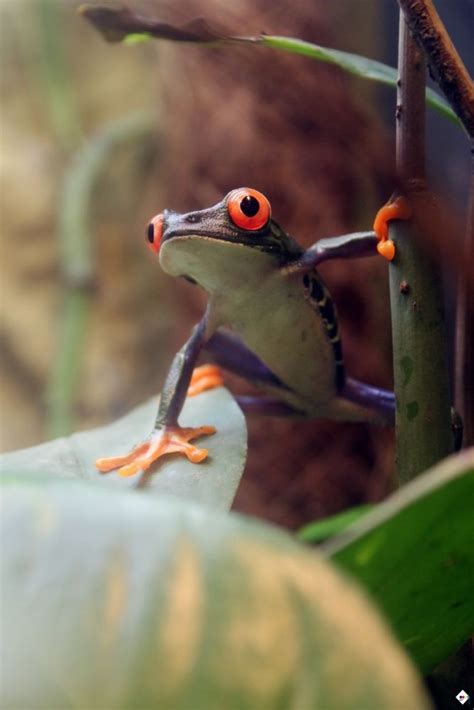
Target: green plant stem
{"points": [[64, 376], [55, 74], [423, 422], [78, 263]]}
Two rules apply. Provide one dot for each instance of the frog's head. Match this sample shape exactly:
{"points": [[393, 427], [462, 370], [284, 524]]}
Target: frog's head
{"points": [[235, 241]]}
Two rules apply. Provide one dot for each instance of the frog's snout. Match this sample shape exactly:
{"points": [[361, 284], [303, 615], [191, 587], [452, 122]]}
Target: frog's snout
{"points": [[154, 233]]}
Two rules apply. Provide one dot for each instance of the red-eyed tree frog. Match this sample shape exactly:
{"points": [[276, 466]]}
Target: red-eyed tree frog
{"points": [[270, 318]]}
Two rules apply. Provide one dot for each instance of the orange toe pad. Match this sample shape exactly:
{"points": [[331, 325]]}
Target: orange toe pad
{"points": [[169, 440], [398, 209], [205, 377]]}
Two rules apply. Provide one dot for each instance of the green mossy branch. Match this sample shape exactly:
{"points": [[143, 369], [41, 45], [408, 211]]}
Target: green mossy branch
{"points": [[449, 71], [423, 423], [423, 420]]}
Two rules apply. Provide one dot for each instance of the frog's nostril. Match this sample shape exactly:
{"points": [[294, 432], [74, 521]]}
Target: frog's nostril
{"points": [[155, 232]]}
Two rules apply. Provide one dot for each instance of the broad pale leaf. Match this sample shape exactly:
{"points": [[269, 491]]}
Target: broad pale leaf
{"points": [[116, 599], [213, 482]]}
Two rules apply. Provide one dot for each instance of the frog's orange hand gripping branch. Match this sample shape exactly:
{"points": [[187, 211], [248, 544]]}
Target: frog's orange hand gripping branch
{"points": [[398, 209]]}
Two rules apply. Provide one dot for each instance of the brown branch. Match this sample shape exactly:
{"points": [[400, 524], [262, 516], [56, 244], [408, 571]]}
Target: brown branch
{"points": [[410, 114], [446, 66]]}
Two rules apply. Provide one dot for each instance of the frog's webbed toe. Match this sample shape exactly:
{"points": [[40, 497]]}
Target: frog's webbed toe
{"points": [[169, 440]]}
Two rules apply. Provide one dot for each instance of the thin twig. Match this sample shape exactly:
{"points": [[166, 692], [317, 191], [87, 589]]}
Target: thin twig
{"points": [[446, 66], [464, 355], [410, 114]]}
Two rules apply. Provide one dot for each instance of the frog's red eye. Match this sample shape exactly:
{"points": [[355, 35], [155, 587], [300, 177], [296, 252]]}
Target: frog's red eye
{"points": [[154, 233], [248, 209]]}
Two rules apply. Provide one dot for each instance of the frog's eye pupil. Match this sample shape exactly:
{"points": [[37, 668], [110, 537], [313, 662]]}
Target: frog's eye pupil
{"points": [[250, 206], [150, 233]]}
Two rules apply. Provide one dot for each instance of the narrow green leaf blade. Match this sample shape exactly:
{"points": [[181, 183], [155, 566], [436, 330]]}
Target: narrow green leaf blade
{"points": [[363, 67], [415, 556], [213, 482], [328, 527], [115, 599], [116, 24]]}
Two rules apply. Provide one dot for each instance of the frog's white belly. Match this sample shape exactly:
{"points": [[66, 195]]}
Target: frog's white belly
{"points": [[269, 310], [277, 321]]}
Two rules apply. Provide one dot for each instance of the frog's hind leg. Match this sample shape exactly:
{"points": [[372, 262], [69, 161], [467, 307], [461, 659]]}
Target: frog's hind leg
{"points": [[229, 352], [358, 401], [267, 406], [232, 354], [204, 377]]}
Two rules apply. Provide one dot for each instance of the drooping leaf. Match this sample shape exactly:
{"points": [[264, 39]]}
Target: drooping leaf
{"points": [[363, 67], [213, 482], [116, 599], [328, 527], [116, 24], [415, 555]]}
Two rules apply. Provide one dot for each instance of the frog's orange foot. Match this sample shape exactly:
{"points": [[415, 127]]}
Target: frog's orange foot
{"points": [[398, 209], [204, 378], [169, 440]]}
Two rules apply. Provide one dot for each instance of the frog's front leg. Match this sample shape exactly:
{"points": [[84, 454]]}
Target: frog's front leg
{"points": [[357, 244], [347, 246], [167, 436]]}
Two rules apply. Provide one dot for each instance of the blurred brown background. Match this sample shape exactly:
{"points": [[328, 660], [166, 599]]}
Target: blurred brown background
{"points": [[96, 138]]}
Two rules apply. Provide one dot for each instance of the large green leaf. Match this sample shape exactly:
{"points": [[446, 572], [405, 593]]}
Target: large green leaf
{"points": [[124, 24], [116, 599], [415, 555], [328, 527], [213, 482]]}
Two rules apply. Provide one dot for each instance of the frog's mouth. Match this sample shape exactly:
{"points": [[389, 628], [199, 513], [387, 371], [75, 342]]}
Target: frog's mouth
{"points": [[261, 241]]}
